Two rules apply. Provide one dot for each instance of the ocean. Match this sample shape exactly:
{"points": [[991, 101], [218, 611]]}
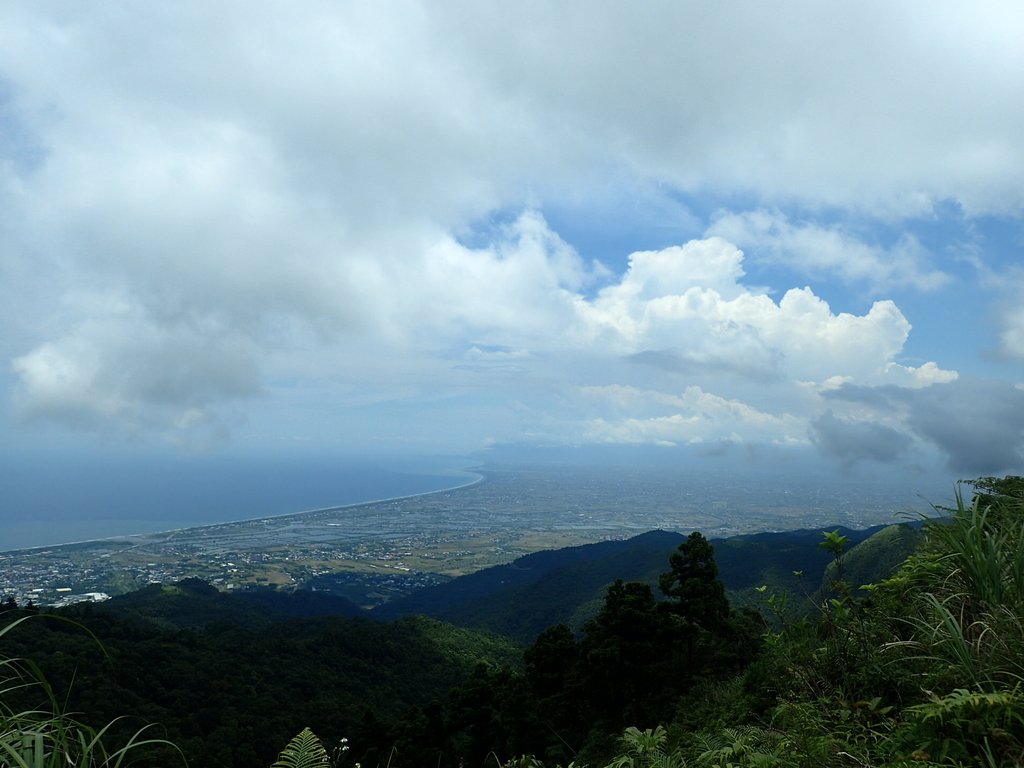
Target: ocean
{"points": [[43, 504]]}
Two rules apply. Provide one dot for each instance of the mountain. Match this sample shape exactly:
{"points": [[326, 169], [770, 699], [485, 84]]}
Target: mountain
{"points": [[192, 603], [522, 598], [525, 597], [232, 676], [873, 559], [232, 691]]}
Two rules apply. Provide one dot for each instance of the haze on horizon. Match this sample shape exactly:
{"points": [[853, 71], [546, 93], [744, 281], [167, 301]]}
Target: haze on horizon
{"points": [[719, 235]]}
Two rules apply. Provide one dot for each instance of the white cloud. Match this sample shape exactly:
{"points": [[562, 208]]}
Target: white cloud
{"points": [[868, 106], [695, 416], [663, 303], [689, 301], [921, 376], [1006, 286], [207, 200], [515, 310], [160, 346], [517, 288], [126, 374], [397, 112], [820, 250], [501, 355], [1012, 337]]}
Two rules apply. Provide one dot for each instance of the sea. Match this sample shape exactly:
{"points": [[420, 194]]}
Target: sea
{"points": [[43, 505]]}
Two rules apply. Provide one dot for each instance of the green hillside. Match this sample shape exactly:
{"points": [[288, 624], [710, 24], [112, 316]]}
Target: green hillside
{"points": [[536, 591], [194, 603], [872, 560], [231, 692]]}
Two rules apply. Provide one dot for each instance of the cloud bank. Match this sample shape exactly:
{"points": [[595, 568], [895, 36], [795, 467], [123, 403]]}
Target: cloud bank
{"points": [[217, 218]]}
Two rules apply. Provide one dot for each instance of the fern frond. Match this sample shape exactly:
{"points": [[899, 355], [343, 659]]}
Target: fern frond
{"points": [[303, 751]]}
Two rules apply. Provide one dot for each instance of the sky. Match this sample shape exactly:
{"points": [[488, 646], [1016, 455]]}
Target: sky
{"points": [[738, 232]]}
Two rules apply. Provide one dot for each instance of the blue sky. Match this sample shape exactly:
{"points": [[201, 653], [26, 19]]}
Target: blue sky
{"points": [[789, 230]]}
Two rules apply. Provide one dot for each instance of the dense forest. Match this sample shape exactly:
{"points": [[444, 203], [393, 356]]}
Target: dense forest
{"points": [[864, 657]]}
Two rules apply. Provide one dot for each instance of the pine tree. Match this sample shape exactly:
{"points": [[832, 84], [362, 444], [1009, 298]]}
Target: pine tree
{"points": [[696, 594]]}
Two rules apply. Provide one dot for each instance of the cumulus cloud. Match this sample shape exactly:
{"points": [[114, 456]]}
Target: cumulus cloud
{"points": [[692, 417], [861, 106], [126, 373], [1005, 285], [202, 203], [519, 286], [683, 309], [163, 344], [385, 113], [686, 305], [819, 250]]}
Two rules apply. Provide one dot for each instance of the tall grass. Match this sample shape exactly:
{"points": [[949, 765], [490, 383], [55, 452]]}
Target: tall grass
{"points": [[970, 613], [963, 602], [44, 736]]}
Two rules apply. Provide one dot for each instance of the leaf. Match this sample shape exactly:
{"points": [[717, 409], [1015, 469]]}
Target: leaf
{"points": [[303, 751]]}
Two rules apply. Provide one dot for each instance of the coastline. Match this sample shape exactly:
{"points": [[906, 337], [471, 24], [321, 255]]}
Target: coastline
{"points": [[474, 472]]}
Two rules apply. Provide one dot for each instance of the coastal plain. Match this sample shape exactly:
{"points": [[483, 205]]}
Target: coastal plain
{"points": [[374, 552]]}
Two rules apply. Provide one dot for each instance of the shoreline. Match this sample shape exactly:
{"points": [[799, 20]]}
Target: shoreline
{"points": [[477, 479]]}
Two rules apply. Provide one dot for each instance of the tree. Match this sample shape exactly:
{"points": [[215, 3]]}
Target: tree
{"points": [[693, 586], [553, 673], [551, 663], [696, 594], [624, 654]]}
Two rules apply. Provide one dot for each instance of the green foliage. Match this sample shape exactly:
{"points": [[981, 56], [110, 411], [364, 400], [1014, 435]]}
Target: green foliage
{"points": [[305, 750], [744, 745], [966, 590], [835, 543], [234, 695], [627, 664], [926, 668], [521, 599], [965, 724], [692, 585], [872, 560], [44, 736], [647, 749], [962, 597]]}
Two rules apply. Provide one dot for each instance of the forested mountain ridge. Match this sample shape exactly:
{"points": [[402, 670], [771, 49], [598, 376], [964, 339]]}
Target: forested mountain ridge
{"points": [[520, 599], [535, 591], [193, 603], [232, 693]]}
